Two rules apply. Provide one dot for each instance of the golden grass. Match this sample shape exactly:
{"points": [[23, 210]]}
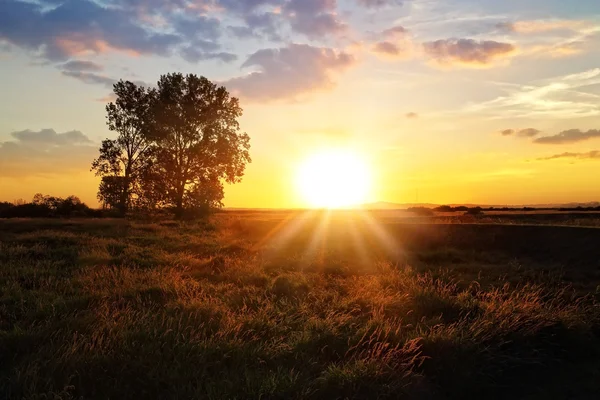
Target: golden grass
{"points": [[213, 310]]}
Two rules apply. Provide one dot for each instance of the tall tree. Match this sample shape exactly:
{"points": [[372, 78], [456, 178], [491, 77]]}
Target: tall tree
{"points": [[198, 140], [124, 158]]}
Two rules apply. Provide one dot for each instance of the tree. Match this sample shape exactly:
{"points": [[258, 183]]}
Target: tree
{"points": [[198, 141], [111, 191], [125, 157]]}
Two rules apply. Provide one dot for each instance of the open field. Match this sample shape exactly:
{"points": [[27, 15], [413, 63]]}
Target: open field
{"points": [[279, 305]]}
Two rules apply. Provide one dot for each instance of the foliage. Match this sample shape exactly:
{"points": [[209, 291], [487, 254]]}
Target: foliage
{"points": [[121, 160], [43, 206], [176, 145], [474, 211], [110, 191], [198, 139]]}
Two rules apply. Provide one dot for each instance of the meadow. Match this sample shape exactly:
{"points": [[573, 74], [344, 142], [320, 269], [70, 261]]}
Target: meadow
{"points": [[316, 305]]}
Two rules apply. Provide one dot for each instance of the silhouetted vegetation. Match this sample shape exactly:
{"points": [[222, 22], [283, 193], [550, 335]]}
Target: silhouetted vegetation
{"points": [[43, 206], [176, 145], [474, 211], [421, 211], [120, 309], [449, 209]]}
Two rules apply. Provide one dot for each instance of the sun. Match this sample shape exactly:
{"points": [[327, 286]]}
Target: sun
{"points": [[334, 179]]}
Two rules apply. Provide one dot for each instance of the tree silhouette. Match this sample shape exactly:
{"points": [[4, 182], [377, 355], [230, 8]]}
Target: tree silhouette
{"points": [[176, 145], [111, 191], [198, 141], [124, 158]]}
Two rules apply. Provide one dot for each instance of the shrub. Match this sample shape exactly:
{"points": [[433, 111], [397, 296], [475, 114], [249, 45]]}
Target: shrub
{"points": [[48, 207], [474, 211]]}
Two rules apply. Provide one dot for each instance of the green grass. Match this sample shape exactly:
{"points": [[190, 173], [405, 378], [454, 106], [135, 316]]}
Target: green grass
{"points": [[249, 307]]}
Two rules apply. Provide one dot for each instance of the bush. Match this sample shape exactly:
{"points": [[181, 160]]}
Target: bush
{"points": [[28, 210], [474, 211], [49, 207]]}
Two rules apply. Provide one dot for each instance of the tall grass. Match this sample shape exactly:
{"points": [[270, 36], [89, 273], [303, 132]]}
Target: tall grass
{"points": [[117, 309]]}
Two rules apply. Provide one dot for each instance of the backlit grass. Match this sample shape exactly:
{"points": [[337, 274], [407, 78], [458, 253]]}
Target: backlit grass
{"points": [[121, 309]]}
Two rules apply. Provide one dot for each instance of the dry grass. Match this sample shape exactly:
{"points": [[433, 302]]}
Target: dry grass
{"points": [[238, 308]]}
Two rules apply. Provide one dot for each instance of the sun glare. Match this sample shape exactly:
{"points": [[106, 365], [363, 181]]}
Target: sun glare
{"points": [[334, 179]]}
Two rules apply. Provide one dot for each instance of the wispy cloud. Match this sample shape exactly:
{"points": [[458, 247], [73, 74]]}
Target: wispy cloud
{"points": [[544, 25], [468, 52], [80, 65], [559, 97], [570, 136], [91, 78], [523, 133], [595, 154]]}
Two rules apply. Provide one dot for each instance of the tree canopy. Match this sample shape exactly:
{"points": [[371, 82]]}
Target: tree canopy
{"points": [[122, 160], [176, 145]]}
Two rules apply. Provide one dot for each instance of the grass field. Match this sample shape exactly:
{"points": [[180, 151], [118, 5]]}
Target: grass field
{"points": [[279, 305]]}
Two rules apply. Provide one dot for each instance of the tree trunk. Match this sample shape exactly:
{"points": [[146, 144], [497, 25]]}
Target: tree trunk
{"points": [[179, 204], [124, 200]]}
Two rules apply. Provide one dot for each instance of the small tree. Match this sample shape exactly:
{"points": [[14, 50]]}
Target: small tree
{"points": [[198, 141], [124, 157]]}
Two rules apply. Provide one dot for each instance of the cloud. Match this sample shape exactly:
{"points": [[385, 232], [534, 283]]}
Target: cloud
{"points": [[287, 72], [91, 78], [394, 32], [559, 50], [80, 70], [379, 3], [75, 27], [529, 132], [595, 154], [569, 136], [78, 65], [558, 97], [45, 152], [394, 42], [412, 115], [194, 55], [537, 26], [60, 30], [524, 133], [259, 25], [468, 52], [314, 18], [552, 37], [387, 48], [49, 136], [244, 6]]}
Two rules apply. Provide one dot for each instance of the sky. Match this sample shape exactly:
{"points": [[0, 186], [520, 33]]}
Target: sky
{"points": [[448, 101]]}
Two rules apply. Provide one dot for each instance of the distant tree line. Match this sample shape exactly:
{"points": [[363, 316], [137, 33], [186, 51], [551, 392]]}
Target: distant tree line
{"points": [[428, 212], [424, 211], [43, 206], [176, 145]]}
